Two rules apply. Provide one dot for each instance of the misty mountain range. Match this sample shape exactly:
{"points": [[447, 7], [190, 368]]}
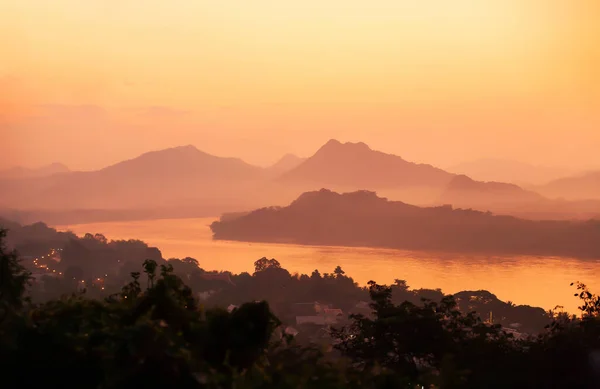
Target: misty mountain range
{"points": [[23, 172], [513, 172], [171, 182], [581, 186]]}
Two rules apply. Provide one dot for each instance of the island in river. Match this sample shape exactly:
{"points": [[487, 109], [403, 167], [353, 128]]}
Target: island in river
{"points": [[362, 219]]}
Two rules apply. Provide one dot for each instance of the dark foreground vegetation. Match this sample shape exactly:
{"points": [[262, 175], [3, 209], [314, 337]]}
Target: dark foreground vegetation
{"points": [[154, 332], [363, 219]]}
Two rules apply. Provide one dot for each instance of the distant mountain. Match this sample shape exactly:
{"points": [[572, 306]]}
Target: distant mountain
{"points": [[180, 162], [286, 163], [510, 199], [171, 177], [186, 182], [501, 170], [356, 166], [463, 191], [44, 171], [364, 219], [584, 186]]}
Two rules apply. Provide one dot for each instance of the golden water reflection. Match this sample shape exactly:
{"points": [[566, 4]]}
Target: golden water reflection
{"points": [[537, 281]]}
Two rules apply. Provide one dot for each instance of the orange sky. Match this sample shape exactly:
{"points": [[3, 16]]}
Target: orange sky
{"points": [[92, 82]]}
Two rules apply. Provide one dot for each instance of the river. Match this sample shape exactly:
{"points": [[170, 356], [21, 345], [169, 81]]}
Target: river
{"points": [[536, 281]]}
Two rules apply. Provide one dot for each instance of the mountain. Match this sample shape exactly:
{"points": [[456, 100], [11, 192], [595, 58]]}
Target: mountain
{"points": [[511, 199], [44, 171], [186, 182], [181, 162], [173, 177], [364, 219], [463, 191], [356, 166], [286, 163], [584, 186], [501, 170]]}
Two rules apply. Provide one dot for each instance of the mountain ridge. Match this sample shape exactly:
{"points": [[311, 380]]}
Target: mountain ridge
{"points": [[19, 172], [185, 177], [581, 186], [167, 177], [510, 171], [285, 163], [356, 165], [327, 218]]}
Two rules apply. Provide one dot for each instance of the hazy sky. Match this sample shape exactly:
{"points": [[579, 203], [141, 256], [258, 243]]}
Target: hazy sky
{"points": [[91, 82]]}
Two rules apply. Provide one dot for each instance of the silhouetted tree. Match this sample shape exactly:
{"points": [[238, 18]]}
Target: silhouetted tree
{"points": [[264, 263], [14, 279], [100, 238]]}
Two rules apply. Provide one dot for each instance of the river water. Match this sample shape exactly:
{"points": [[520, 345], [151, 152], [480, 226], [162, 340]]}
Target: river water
{"points": [[536, 281]]}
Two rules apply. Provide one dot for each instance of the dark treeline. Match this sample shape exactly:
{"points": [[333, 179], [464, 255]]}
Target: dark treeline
{"points": [[363, 219], [35, 239]]}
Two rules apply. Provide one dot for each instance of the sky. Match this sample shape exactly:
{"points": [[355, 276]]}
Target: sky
{"points": [[90, 83]]}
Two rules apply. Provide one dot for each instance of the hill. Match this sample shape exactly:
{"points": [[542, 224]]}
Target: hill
{"points": [[286, 163], [502, 170], [364, 219], [173, 177], [23, 172], [463, 191], [36, 238], [356, 166], [511, 199], [584, 186]]}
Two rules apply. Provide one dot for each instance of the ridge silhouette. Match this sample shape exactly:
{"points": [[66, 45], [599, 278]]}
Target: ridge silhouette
{"points": [[363, 219]]}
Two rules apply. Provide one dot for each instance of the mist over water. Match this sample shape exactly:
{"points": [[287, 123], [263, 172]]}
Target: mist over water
{"points": [[527, 280]]}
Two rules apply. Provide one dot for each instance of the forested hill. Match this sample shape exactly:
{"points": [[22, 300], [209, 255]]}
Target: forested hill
{"points": [[364, 219]]}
